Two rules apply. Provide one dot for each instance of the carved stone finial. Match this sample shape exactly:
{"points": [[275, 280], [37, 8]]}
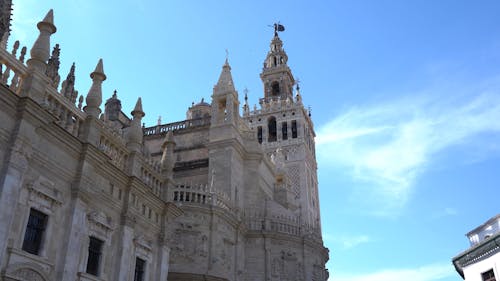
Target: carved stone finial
{"points": [[137, 112], [68, 85], [94, 97], [23, 54], [80, 102], [15, 47], [134, 133], [52, 70], [167, 158], [41, 48]]}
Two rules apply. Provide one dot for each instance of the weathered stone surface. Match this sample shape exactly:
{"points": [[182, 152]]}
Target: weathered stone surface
{"points": [[214, 197]]}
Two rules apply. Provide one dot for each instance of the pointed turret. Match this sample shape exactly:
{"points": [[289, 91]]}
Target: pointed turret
{"points": [[134, 133], [41, 48], [224, 98], [94, 97], [225, 83]]}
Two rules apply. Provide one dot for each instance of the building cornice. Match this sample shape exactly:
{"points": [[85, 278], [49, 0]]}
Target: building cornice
{"points": [[481, 251]]}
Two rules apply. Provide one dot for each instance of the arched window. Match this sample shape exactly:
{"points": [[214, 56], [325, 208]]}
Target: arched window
{"points": [[271, 128], [294, 129], [275, 88], [284, 130], [259, 134]]}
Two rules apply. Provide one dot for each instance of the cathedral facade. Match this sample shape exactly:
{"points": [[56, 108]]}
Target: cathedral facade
{"points": [[87, 194]]}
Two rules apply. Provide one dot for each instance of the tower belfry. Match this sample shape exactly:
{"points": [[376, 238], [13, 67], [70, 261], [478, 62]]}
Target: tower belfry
{"points": [[276, 75], [284, 129]]}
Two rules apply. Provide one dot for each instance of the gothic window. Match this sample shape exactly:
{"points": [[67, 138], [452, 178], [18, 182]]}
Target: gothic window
{"points": [[37, 222], [140, 266], [274, 60], [271, 126], [259, 134], [294, 129], [94, 258], [275, 88], [488, 275], [284, 130]]}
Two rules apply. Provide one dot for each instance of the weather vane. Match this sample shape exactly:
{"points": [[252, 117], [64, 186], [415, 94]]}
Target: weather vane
{"points": [[227, 54], [278, 28]]}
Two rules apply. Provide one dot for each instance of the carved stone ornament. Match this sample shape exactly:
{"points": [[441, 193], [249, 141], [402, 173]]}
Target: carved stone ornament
{"points": [[286, 267], [143, 246], [27, 274], [99, 224], [21, 153], [43, 194]]}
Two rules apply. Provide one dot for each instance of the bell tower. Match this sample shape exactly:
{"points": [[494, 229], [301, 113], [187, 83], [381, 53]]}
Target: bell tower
{"points": [[276, 75], [285, 130]]}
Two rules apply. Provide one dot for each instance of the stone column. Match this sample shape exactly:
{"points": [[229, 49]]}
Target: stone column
{"points": [[10, 186], [74, 246], [125, 258]]}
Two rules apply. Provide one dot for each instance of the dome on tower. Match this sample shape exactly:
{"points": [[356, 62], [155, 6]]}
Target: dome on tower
{"points": [[199, 110]]}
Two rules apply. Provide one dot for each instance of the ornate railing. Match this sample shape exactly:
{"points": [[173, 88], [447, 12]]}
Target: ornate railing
{"points": [[279, 224], [186, 124], [12, 73], [200, 194], [12, 68], [114, 147], [150, 174]]}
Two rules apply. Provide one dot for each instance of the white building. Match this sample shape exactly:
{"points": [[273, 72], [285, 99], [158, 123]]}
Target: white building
{"points": [[481, 262]]}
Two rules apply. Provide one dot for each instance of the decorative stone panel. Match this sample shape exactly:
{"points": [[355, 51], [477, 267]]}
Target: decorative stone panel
{"points": [[100, 225]]}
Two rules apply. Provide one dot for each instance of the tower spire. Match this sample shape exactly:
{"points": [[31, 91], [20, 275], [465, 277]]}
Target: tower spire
{"points": [[224, 98], [276, 75], [225, 82]]}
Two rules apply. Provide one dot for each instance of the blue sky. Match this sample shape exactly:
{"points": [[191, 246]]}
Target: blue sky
{"points": [[405, 96]]}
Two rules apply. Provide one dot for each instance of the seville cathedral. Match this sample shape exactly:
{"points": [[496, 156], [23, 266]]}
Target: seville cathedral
{"points": [[229, 193]]}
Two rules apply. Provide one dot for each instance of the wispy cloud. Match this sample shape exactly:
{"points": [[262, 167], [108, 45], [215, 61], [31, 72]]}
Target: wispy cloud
{"points": [[424, 273], [446, 212], [346, 241], [388, 145], [349, 242]]}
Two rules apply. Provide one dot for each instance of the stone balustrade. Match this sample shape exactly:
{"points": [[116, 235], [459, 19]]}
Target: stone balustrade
{"points": [[186, 124], [273, 103], [12, 68], [13, 71], [201, 194], [280, 224], [68, 115], [151, 175], [113, 148]]}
